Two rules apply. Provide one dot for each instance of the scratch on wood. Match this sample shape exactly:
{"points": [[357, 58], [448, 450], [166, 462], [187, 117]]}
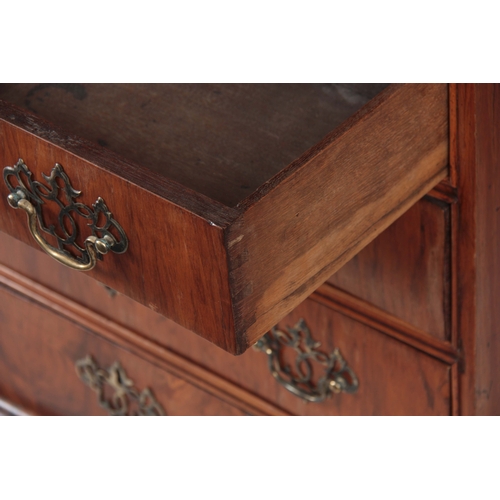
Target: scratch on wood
{"points": [[236, 240]]}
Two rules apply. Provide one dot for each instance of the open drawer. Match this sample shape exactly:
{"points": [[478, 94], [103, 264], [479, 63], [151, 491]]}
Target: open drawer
{"points": [[230, 203]]}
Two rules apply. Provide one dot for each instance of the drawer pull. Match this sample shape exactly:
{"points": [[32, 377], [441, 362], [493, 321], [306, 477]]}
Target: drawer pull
{"points": [[338, 376], [30, 195], [125, 400]]}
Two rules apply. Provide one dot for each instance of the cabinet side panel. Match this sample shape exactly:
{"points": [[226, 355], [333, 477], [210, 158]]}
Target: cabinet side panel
{"points": [[476, 248], [488, 249], [464, 245]]}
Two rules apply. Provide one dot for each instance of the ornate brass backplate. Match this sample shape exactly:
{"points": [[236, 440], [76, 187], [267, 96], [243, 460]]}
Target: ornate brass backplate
{"points": [[30, 195], [125, 398], [338, 376]]}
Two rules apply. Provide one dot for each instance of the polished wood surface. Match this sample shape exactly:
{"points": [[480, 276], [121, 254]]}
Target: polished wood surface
{"points": [[476, 234], [245, 378], [413, 313], [38, 352], [394, 379], [361, 345], [488, 249], [176, 260], [24, 261], [406, 270], [137, 329], [377, 318], [210, 268], [220, 140]]}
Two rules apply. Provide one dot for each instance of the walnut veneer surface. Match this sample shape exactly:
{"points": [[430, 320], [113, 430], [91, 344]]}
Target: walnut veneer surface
{"points": [[413, 313]]}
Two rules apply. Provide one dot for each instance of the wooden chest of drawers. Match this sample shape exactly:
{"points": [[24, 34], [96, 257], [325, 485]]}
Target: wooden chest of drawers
{"points": [[374, 252]]}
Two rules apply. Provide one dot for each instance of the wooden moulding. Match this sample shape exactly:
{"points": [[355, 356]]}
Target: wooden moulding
{"points": [[133, 342], [230, 274]]}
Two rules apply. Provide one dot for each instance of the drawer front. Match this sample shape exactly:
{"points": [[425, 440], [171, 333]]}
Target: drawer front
{"points": [[173, 257], [52, 366], [394, 378]]}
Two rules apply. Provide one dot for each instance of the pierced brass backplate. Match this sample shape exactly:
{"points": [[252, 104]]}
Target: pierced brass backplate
{"points": [[338, 376], [29, 195], [125, 398]]}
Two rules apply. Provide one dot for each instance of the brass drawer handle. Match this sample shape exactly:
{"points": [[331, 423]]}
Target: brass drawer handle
{"points": [[126, 399], [31, 195], [338, 376]]}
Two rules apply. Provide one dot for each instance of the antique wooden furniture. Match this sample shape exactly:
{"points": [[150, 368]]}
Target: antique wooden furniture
{"points": [[356, 224]]}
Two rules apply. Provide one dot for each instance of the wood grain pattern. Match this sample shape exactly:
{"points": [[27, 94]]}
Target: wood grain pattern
{"points": [[220, 140], [403, 369], [477, 239], [453, 124], [406, 269], [322, 210], [418, 383], [38, 351], [394, 379], [488, 249], [175, 262], [22, 264], [463, 244], [242, 381], [143, 341], [370, 315], [209, 267]]}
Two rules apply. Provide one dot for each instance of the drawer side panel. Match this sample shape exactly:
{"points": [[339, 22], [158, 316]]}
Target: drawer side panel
{"points": [[344, 193]]}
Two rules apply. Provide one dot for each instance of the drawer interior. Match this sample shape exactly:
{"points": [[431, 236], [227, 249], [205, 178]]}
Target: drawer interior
{"points": [[221, 140]]}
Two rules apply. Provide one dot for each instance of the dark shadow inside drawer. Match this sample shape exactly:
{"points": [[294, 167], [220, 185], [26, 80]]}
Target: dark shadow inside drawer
{"points": [[406, 269]]}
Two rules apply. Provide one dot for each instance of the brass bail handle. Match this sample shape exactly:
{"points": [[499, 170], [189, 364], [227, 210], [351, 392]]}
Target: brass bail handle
{"points": [[297, 377], [93, 245], [30, 195]]}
